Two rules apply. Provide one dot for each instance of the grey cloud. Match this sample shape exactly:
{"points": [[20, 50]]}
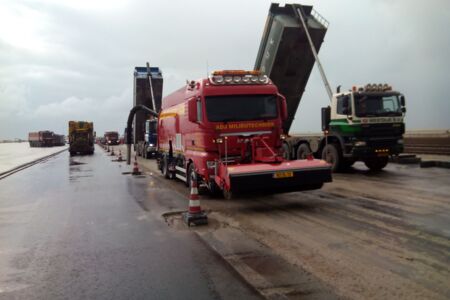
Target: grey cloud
{"points": [[86, 70]]}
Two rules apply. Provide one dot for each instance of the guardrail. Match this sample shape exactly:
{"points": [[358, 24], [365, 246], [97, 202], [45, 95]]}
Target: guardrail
{"points": [[320, 18]]}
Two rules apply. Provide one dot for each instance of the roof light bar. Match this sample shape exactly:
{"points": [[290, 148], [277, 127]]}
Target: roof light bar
{"points": [[372, 88], [238, 77]]}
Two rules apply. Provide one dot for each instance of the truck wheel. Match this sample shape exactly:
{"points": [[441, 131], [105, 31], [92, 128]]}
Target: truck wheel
{"points": [[227, 194], [214, 189], [286, 154], [190, 171], [303, 151], [331, 155], [376, 164], [72, 153], [165, 167]]}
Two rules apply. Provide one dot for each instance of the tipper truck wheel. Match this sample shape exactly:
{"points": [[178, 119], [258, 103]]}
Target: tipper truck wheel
{"points": [[331, 155], [303, 151], [376, 164]]}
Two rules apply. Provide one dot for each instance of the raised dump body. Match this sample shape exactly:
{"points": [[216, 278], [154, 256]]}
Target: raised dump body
{"points": [[142, 95], [285, 54]]}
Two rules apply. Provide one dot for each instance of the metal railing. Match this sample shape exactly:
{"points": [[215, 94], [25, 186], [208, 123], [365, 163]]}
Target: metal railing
{"points": [[320, 18]]}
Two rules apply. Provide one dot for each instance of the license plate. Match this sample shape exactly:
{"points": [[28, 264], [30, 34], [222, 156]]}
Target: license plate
{"points": [[284, 174]]}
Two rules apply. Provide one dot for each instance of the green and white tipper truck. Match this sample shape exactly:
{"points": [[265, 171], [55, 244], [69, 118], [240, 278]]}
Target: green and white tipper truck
{"points": [[365, 123]]}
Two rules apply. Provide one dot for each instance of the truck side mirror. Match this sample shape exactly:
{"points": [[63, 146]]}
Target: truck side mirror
{"points": [[326, 118], [402, 100], [192, 110], [283, 107]]}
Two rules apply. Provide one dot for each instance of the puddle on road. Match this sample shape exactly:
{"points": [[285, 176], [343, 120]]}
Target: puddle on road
{"points": [[75, 163], [76, 172]]}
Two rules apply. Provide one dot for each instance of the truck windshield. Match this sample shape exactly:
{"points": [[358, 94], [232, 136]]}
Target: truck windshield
{"points": [[241, 107], [377, 105]]}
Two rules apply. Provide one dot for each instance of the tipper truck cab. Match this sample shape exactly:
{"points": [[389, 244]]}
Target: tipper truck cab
{"points": [[288, 51], [81, 137], [228, 130], [151, 138], [148, 84], [362, 124]]}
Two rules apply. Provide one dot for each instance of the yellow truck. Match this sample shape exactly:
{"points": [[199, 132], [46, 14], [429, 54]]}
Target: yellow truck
{"points": [[81, 137]]}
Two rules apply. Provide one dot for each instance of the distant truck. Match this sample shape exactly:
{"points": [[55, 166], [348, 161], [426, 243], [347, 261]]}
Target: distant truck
{"points": [[364, 123], [111, 138], [81, 137], [148, 84], [149, 148], [59, 140], [41, 138]]}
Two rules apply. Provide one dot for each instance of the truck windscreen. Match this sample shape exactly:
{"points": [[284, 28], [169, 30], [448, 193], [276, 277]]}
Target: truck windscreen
{"points": [[377, 105], [241, 107]]}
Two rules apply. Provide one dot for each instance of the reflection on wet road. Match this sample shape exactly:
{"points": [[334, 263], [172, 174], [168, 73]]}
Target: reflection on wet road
{"points": [[71, 228]]}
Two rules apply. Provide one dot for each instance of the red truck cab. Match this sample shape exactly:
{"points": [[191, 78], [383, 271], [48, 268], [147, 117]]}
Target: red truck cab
{"points": [[228, 130]]}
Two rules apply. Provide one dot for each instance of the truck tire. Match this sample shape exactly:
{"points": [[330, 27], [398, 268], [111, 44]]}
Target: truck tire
{"points": [[286, 152], [228, 195], [303, 151], [165, 167], [190, 170], [331, 155], [376, 164], [214, 189]]}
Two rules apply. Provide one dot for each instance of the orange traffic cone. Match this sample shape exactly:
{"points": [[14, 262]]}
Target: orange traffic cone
{"points": [[112, 151], [107, 149], [195, 214], [120, 156], [135, 167]]}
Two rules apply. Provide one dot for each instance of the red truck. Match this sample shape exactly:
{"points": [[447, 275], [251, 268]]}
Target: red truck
{"points": [[111, 138], [228, 130]]}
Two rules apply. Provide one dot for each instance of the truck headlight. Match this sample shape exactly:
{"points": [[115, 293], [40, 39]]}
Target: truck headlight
{"points": [[152, 145], [360, 143], [400, 141]]}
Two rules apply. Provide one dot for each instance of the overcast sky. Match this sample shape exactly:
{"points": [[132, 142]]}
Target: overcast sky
{"points": [[64, 60]]}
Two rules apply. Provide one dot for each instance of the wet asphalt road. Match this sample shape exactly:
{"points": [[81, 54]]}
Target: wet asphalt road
{"points": [[72, 228]]}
